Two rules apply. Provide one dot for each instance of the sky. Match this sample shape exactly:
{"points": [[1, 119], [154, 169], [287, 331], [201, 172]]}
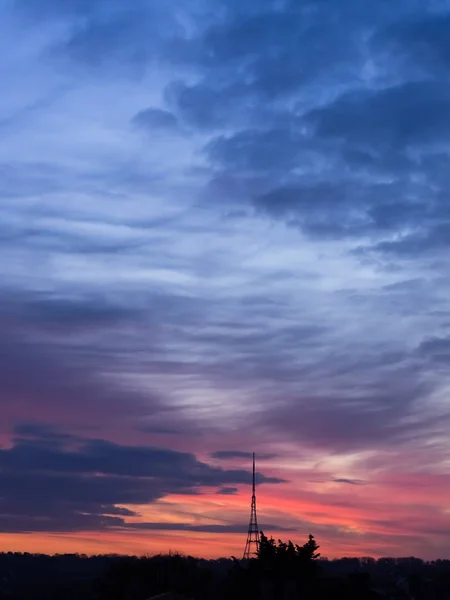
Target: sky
{"points": [[224, 229]]}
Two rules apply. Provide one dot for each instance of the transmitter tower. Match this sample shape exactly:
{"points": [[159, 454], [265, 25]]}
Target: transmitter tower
{"points": [[253, 539]]}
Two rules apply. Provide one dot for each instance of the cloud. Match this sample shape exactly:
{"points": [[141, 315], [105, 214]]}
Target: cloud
{"points": [[228, 491], [69, 8], [46, 450], [409, 114], [155, 119], [349, 481], [232, 528], [382, 412], [156, 429], [86, 484], [436, 349], [256, 151], [103, 36], [422, 241], [266, 43], [47, 375], [423, 41], [277, 255], [200, 106], [42, 311], [230, 454], [370, 169]]}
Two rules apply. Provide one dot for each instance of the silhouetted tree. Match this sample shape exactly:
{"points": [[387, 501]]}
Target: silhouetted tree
{"points": [[287, 557], [285, 567]]}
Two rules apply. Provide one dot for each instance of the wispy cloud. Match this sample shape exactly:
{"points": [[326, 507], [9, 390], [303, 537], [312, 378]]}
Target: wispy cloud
{"points": [[224, 229]]}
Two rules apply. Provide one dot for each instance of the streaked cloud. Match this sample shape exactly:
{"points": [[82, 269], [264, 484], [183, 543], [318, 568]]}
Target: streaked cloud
{"points": [[224, 230]]}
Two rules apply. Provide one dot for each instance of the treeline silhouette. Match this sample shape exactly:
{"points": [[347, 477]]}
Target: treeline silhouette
{"points": [[281, 571]]}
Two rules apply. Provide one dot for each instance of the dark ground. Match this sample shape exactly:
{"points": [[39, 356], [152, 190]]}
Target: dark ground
{"points": [[29, 576]]}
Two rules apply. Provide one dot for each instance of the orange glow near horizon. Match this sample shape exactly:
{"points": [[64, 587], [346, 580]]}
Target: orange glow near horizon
{"points": [[347, 520], [395, 513]]}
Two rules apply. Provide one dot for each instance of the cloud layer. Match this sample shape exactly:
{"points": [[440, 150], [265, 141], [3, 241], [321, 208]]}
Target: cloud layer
{"points": [[59, 482], [224, 229]]}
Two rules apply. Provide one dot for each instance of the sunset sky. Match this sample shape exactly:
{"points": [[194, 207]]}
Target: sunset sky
{"points": [[225, 228]]}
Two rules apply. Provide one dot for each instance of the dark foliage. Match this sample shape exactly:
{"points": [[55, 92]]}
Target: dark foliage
{"points": [[281, 571]]}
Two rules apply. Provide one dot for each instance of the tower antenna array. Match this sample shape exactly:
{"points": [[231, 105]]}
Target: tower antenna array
{"points": [[253, 539]]}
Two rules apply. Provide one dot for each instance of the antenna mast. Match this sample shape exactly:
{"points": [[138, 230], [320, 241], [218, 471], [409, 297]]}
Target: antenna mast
{"points": [[253, 540]]}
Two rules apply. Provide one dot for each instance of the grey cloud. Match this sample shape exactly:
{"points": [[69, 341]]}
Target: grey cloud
{"points": [[345, 198], [241, 36], [209, 107], [411, 113], [40, 178], [255, 150], [276, 49], [49, 374], [54, 8], [229, 528], [44, 241], [349, 481], [69, 312], [199, 106], [319, 208], [424, 41], [59, 524], [26, 314], [436, 349], [155, 119], [71, 374], [228, 491], [250, 56], [320, 197], [53, 377], [226, 454], [365, 131], [230, 454], [368, 148], [117, 36], [428, 239], [157, 429], [297, 51], [223, 37], [101, 43], [355, 209], [382, 411], [61, 482], [48, 230]]}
